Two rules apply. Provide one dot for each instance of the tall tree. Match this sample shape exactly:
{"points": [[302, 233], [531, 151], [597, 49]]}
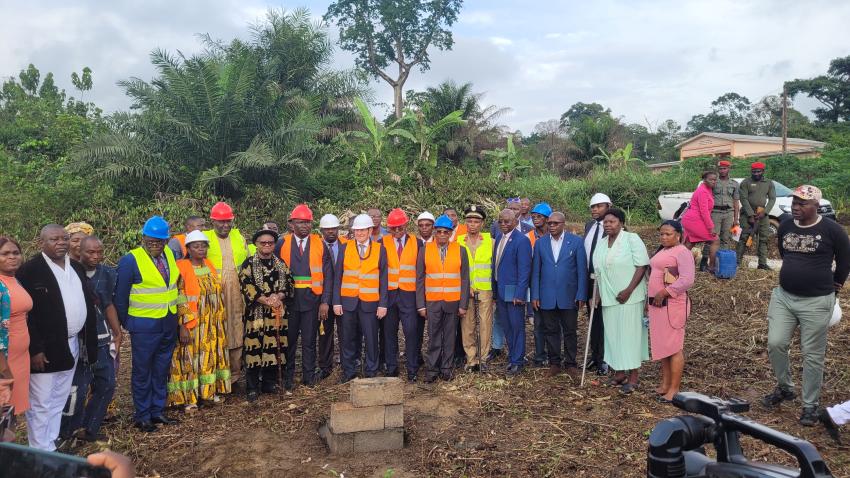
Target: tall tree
{"points": [[578, 112], [832, 90], [730, 113], [384, 32]]}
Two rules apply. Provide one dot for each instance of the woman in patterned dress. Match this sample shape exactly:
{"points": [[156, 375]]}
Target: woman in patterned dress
{"points": [[266, 285], [200, 368]]}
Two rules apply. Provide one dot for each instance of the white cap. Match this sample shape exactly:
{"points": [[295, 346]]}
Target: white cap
{"points": [[362, 221], [196, 236], [328, 221], [599, 198], [426, 215]]}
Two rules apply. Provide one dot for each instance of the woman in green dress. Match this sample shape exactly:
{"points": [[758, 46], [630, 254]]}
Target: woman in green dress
{"points": [[620, 261]]}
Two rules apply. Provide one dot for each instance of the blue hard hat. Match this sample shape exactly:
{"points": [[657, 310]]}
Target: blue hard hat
{"points": [[544, 209], [156, 227], [444, 222]]}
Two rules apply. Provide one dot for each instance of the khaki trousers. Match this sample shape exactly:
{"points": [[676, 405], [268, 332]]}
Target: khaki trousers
{"points": [[486, 306]]}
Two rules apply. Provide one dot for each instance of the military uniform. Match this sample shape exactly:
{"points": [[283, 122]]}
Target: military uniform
{"points": [[723, 214], [755, 194]]}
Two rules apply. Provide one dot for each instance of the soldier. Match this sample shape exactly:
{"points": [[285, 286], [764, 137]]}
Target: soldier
{"points": [[758, 196]]}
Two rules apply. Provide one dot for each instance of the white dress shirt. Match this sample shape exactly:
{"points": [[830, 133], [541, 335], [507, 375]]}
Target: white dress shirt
{"points": [[595, 229], [556, 245], [72, 295]]}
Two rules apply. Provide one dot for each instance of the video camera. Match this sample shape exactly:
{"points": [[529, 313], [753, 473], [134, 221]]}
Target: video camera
{"points": [[676, 445]]}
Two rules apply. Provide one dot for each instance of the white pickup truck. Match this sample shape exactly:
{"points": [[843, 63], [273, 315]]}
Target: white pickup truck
{"points": [[671, 205]]}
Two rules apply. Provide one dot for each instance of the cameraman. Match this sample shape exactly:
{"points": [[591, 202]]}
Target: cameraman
{"points": [[805, 297]]}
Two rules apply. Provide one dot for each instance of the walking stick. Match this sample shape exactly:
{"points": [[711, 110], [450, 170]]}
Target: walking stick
{"points": [[277, 312], [589, 328]]}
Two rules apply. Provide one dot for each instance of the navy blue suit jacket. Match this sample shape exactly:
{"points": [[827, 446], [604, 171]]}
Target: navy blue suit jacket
{"points": [[558, 285], [514, 270]]}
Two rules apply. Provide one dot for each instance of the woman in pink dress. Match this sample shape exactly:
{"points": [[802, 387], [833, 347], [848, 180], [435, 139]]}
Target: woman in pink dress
{"points": [[15, 325], [671, 275], [697, 222]]}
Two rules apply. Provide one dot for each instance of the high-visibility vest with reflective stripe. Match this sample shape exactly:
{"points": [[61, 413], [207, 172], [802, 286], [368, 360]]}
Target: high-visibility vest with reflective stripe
{"points": [[480, 265], [442, 279], [191, 288], [181, 239], [401, 273], [361, 278], [459, 231], [237, 246], [316, 280], [532, 236], [152, 298]]}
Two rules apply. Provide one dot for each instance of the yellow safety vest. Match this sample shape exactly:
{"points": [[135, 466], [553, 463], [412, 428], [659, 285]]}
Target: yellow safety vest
{"points": [[480, 266], [237, 245], [153, 298]]}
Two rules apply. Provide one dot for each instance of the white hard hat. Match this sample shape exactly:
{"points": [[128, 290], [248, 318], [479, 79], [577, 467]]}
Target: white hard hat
{"points": [[362, 221], [599, 198], [196, 236], [426, 215], [328, 221]]}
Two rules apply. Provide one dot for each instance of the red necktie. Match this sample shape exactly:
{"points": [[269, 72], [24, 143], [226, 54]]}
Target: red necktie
{"points": [[399, 247], [301, 246]]}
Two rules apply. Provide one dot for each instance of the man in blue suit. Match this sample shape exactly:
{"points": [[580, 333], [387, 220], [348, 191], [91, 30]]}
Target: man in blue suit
{"points": [[512, 269], [559, 290]]}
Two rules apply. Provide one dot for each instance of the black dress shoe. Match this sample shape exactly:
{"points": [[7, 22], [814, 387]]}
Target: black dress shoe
{"points": [[431, 379], [146, 427], [514, 370], [273, 388], [391, 373], [163, 420], [493, 354], [345, 379], [602, 369], [474, 368], [325, 374], [411, 378], [253, 395]]}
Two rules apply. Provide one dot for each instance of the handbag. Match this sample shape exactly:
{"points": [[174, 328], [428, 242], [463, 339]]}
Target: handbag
{"points": [[671, 275]]}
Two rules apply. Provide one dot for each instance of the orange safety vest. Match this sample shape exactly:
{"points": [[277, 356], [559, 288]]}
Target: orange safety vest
{"points": [[401, 273], [532, 236], [442, 280], [361, 278], [316, 280], [191, 286], [459, 231], [181, 238]]}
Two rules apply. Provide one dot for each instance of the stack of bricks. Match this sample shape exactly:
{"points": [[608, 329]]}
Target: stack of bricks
{"points": [[372, 421]]}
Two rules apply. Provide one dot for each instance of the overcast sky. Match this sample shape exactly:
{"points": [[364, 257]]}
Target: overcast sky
{"points": [[646, 60]]}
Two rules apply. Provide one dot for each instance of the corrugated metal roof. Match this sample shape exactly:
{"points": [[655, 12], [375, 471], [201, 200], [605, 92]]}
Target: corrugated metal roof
{"points": [[753, 139]]}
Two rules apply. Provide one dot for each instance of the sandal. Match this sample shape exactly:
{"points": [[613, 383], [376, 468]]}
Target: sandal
{"points": [[613, 381], [628, 388], [662, 399]]}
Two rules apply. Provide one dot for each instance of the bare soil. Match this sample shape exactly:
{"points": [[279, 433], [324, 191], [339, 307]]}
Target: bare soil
{"points": [[486, 425]]}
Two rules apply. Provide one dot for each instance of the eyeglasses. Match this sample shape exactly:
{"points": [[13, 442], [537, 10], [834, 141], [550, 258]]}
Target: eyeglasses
{"points": [[155, 242], [554, 223], [265, 243], [443, 232]]}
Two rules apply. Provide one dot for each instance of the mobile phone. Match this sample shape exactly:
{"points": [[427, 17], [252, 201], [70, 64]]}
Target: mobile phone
{"points": [[20, 461]]}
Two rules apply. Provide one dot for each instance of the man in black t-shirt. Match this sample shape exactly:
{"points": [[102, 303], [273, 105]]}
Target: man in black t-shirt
{"points": [[805, 297]]}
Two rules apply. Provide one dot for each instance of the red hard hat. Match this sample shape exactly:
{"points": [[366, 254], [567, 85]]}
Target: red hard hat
{"points": [[221, 212], [301, 212], [396, 218]]}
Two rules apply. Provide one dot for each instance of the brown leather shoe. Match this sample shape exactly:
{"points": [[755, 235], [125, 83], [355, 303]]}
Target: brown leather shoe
{"points": [[574, 373], [553, 370]]}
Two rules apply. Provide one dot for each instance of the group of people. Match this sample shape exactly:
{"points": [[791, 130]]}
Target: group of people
{"points": [[210, 313]]}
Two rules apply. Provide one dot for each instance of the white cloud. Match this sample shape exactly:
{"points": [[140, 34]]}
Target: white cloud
{"points": [[501, 41]]}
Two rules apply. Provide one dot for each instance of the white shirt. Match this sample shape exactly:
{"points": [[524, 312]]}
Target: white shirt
{"points": [[500, 250], [595, 229], [302, 243], [72, 295], [556, 245]]}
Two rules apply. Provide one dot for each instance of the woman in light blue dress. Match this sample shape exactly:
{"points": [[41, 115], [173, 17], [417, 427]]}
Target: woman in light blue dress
{"points": [[620, 261]]}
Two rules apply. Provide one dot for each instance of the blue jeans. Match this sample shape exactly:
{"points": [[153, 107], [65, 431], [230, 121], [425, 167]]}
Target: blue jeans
{"points": [[98, 384]]}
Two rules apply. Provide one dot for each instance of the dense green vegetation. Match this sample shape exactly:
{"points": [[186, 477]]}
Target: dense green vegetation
{"points": [[267, 122]]}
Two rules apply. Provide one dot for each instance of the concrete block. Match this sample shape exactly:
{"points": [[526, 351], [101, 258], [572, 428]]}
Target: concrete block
{"points": [[338, 443], [368, 392], [378, 440], [346, 418], [394, 416]]}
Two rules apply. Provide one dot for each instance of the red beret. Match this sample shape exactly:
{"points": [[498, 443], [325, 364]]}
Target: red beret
{"points": [[724, 163], [758, 165]]}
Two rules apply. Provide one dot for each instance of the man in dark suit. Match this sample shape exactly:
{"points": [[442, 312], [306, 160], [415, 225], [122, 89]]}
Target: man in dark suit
{"points": [[558, 290], [360, 295], [511, 273], [62, 315], [442, 293], [329, 227], [599, 205]]}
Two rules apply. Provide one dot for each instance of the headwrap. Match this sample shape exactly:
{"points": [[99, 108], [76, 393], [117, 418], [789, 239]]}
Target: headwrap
{"points": [[76, 227]]}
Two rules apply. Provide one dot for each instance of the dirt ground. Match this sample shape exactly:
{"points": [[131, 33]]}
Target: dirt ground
{"points": [[485, 425]]}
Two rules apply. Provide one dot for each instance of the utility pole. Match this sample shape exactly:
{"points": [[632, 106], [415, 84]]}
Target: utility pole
{"points": [[784, 120]]}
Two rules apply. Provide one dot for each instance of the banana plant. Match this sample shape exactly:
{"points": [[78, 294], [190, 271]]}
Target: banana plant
{"points": [[376, 135], [426, 134], [618, 159], [508, 161]]}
